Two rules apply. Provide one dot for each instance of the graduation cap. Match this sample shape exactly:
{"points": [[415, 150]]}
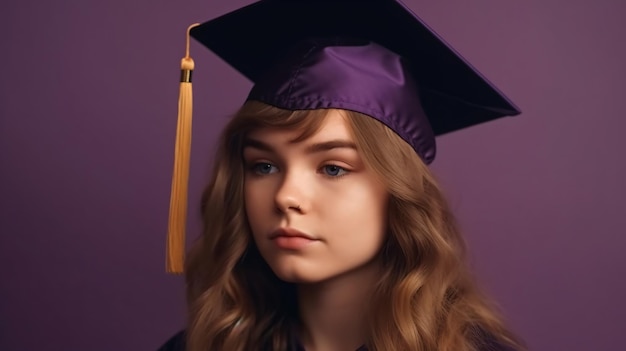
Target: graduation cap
{"points": [[370, 56]]}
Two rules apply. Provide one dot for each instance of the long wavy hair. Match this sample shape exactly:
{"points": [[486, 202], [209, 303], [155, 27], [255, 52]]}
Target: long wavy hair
{"points": [[425, 300]]}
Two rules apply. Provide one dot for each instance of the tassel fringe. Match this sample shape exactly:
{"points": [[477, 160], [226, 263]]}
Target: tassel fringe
{"points": [[175, 255]]}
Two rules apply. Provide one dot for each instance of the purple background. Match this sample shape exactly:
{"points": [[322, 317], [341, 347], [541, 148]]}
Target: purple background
{"points": [[87, 121]]}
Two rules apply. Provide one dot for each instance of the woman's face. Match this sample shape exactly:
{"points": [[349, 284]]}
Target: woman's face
{"points": [[315, 211]]}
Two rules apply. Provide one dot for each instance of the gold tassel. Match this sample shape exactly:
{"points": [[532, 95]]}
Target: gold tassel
{"points": [[175, 255]]}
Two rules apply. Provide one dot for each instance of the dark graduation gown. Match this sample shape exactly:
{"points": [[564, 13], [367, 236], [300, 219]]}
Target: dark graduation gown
{"points": [[177, 343]]}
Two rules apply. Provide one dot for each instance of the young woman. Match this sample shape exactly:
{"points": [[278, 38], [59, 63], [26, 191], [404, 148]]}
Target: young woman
{"points": [[324, 228]]}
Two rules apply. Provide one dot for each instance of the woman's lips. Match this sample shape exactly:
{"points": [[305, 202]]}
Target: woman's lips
{"points": [[291, 239]]}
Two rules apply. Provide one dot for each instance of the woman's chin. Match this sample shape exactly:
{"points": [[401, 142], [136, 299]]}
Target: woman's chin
{"points": [[298, 273]]}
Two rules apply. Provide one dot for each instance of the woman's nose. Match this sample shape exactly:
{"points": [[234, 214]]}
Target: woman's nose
{"points": [[292, 193]]}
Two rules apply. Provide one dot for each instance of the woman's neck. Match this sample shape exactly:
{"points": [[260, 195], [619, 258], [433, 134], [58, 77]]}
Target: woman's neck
{"points": [[333, 312]]}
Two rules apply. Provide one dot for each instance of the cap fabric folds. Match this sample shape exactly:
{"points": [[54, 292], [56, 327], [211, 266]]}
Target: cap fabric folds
{"points": [[371, 56]]}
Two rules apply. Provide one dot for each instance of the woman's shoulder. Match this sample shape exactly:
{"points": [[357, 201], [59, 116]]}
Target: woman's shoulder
{"points": [[175, 343]]}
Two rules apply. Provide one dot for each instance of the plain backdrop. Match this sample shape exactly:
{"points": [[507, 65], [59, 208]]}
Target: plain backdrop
{"points": [[88, 101]]}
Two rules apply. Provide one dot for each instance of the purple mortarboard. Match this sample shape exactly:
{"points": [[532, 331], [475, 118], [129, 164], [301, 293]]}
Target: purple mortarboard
{"points": [[371, 56]]}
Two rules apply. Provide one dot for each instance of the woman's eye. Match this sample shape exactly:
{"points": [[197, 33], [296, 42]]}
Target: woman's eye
{"points": [[264, 168], [334, 171]]}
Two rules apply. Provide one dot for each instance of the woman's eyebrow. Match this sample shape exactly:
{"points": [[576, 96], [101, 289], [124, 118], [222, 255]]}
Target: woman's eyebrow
{"points": [[313, 148], [331, 144]]}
